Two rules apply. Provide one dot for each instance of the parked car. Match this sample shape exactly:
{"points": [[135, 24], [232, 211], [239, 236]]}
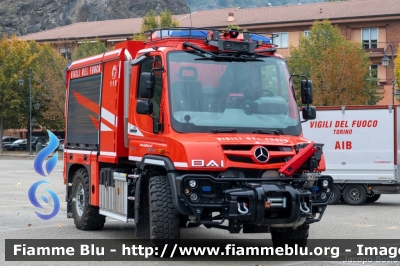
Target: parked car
{"points": [[60, 145], [35, 141], [9, 140], [17, 145]]}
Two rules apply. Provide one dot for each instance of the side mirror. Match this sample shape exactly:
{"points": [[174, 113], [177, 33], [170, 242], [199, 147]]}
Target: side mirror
{"points": [[146, 85], [144, 107], [306, 92], [309, 113]]}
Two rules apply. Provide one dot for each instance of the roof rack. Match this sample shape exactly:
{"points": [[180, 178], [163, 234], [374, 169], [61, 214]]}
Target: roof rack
{"points": [[233, 40], [190, 32]]}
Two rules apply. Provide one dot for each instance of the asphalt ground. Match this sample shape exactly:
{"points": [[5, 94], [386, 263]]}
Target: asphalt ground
{"points": [[379, 220]]}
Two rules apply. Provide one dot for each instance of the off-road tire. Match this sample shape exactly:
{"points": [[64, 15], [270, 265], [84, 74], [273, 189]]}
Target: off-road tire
{"points": [[336, 195], [290, 236], [373, 197], [87, 217], [164, 219], [354, 194]]}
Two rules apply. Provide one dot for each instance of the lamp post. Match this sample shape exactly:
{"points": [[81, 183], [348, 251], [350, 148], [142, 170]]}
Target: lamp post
{"points": [[385, 63], [37, 106], [397, 94]]}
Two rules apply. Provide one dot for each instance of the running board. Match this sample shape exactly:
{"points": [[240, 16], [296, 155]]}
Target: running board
{"points": [[116, 216]]}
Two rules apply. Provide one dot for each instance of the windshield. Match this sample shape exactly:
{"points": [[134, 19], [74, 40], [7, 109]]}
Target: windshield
{"points": [[239, 95]]}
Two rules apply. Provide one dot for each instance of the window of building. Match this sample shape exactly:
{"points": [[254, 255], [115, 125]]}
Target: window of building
{"points": [[65, 52], [307, 33], [281, 40], [373, 71], [369, 38]]}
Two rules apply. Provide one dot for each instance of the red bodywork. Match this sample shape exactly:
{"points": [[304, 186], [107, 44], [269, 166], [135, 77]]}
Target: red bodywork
{"points": [[200, 152]]}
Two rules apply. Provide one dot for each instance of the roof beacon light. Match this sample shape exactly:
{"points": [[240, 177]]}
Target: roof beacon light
{"points": [[233, 33]]}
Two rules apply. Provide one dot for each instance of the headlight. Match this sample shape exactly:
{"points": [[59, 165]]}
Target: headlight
{"points": [[192, 183], [325, 183]]}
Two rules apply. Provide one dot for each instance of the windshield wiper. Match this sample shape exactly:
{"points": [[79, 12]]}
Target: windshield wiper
{"points": [[191, 45], [274, 131], [227, 130]]}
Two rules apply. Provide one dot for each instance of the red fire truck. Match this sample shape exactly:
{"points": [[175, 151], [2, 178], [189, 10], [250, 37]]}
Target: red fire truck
{"points": [[193, 127]]}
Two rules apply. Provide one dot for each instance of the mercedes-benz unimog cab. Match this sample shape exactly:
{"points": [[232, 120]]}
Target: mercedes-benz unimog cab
{"points": [[193, 127]]}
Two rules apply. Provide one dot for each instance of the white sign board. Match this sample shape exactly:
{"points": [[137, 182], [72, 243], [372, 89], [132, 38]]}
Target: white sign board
{"points": [[358, 144]]}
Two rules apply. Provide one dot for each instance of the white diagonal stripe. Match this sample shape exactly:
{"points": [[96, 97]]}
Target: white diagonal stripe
{"points": [[104, 128]]}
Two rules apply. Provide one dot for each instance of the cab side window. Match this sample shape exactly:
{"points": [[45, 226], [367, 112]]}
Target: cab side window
{"points": [[147, 66], [157, 87]]}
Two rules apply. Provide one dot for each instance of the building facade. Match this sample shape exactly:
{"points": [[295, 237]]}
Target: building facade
{"points": [[373, 23]]}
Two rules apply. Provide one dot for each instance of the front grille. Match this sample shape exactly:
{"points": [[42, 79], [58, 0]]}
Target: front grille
{"points": [[237, 147], [239, 159], [245, 153], [249, 147], [279, 160]]}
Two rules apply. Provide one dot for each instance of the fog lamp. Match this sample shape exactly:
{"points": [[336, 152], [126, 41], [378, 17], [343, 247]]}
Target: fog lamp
{"points": [[194, 197], [323, 195]]}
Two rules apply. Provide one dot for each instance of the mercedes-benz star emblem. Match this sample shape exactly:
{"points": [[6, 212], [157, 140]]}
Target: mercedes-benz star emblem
{"points": [[261, 154]]}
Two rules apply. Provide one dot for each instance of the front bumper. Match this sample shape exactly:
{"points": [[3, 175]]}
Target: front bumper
{"points": [[251, 200]]}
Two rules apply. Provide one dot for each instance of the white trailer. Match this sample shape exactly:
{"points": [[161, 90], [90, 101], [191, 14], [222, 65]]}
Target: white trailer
{"points": [[360, 148]]}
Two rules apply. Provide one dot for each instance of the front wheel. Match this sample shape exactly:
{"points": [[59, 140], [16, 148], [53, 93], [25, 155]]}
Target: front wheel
{"points": [[164, 219], [354, 194], [86, 217], [290, 236]]}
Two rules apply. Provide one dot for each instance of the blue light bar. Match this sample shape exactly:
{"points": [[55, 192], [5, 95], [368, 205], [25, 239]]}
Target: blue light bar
{"points": [[256, 37], [189, 33]]}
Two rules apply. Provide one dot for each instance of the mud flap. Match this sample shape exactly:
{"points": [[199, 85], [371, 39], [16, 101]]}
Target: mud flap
{"points": [[142, 217]]}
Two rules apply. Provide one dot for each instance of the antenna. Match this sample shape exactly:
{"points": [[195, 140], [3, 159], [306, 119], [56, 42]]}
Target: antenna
{"points": [[190, 15]]}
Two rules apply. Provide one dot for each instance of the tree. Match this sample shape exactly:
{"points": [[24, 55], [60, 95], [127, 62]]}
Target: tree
{"points": [[21, 59], [339, 68], [51, 77], [166, 19], [234, 27], [89, 48], [151, 21], [397, 67]]}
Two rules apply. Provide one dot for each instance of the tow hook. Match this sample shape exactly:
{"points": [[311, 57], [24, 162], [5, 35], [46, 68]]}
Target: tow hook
{"points": [[242, 208], [304, 208]]}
